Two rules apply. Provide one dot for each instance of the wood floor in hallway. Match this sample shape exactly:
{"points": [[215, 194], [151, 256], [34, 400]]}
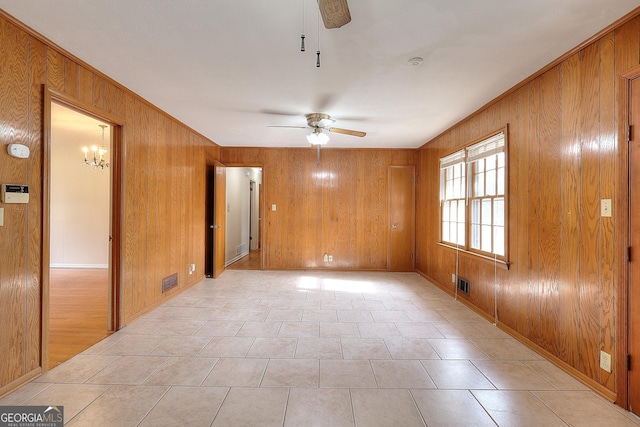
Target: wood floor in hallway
{"points": [[78, 311], [249, 262]]}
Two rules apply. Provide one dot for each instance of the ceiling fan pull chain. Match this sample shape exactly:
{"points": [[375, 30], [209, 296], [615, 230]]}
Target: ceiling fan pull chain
{"points": [[318, 52], [302, 36]]}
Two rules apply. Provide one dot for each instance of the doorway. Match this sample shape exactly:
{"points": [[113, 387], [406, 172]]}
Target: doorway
{"points": [[80, 302], [401, 218], [243, 226]]}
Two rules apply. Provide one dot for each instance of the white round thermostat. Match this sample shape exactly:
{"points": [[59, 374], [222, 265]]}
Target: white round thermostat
{"points": [[18, 150]]}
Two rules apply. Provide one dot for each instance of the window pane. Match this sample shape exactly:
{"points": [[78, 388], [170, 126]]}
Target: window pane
{"points": [[452, 232], [498, 212], [486, 211], [491, 162], [461, 212], [445, 210], [501, 160], [479, 165], [456, 188], [445, 231], [461, 239], [500, 182], [478, 185], [498, 238], [491, 182], [475, 211], [486, 238], [475, 236]]}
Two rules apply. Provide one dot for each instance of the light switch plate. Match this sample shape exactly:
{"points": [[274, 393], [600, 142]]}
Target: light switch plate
{"points": [[605, 361], [273, 207], [605, 208]]}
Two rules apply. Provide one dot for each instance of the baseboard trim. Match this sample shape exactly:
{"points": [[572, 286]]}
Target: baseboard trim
{"points": [[56, 265], [238, 257], [19, 382]]}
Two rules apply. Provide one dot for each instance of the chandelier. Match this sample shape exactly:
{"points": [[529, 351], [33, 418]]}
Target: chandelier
{"points": [[98, 160]]}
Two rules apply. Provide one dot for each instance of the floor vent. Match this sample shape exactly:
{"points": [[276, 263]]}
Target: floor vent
{"points": [[169, 282], [463, 285], [241, 248]]}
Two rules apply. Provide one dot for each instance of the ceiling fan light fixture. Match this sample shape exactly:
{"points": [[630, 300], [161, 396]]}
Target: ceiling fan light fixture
{"points": [[317, 138]]}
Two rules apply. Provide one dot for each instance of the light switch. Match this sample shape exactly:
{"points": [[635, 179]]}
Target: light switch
{"points": [[273, 207], [605, 208]]}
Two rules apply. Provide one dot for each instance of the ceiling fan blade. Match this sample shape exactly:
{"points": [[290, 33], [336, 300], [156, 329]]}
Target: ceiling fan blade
{"points": [[278, 112], [335, 13], [285, 126], [347, 131]]}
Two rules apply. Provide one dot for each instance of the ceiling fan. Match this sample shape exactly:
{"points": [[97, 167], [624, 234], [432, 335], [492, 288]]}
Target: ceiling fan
{"points": [[319, 122], [335, 13]]}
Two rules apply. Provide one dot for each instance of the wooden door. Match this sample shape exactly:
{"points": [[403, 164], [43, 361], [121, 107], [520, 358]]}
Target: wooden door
{"points": [[252, 215], [260, 204], [209, 244], [401, 218], [219, 218], [634, 265]]}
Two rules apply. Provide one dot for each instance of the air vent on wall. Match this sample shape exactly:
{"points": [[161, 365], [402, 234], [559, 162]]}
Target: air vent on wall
{"points": [[169, 282], [463, 285]]}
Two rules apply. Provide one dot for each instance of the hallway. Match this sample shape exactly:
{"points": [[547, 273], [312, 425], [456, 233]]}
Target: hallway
{"points": [[315, 348]]}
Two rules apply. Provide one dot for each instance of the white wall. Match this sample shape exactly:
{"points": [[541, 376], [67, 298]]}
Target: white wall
{"points": [[80, 198], [238, 202]]}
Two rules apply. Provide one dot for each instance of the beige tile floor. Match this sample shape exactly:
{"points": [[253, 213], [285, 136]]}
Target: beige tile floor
{"points": [[261, 348]]}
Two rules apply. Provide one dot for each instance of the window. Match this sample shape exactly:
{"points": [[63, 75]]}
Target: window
{"points": [[473, 194]]}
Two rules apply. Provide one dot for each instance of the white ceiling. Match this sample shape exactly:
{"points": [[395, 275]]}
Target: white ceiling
{"points": [[65, 121], [231, 68]]}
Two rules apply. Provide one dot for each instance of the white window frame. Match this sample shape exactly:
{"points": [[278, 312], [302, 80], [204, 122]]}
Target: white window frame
{"points": [[481, 222]]}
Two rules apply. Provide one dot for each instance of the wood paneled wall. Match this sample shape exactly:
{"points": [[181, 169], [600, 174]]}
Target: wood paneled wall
{"points": [[163, 191], [339, 207], [560, 290]]}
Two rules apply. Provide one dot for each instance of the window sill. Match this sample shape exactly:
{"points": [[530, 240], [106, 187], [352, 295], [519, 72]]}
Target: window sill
{"points": [[498, 262]]}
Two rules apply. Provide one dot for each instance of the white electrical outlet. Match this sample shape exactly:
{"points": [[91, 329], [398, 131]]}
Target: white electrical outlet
{"points": [[453, 278], [605, 361], [330, 258], [326, 258]]}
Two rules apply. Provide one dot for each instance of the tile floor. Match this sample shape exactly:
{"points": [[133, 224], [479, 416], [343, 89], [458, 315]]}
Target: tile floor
{"points": [[262, 348]]}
